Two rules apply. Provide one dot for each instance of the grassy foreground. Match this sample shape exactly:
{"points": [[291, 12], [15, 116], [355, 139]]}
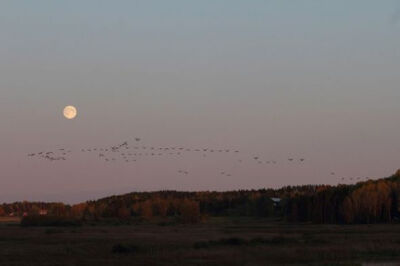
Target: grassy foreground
{"points": [[219, 241]]}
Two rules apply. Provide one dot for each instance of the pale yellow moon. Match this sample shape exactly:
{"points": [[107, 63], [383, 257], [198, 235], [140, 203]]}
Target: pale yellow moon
{"points": [[70, 112]]}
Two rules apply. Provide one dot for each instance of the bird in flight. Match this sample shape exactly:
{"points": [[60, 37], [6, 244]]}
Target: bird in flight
{"points": [[123, 152]]}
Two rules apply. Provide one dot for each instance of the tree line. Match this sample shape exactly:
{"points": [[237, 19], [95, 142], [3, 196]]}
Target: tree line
{"points": [[375, 201]]}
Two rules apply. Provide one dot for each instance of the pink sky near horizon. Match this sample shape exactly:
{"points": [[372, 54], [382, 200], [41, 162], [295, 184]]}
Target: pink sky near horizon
{"points": [[276, 80]]}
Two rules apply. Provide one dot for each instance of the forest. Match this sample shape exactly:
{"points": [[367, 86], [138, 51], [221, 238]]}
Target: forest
{"points": [[372, 201]]}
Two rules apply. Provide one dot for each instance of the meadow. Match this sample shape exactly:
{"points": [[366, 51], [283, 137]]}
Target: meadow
{"points": [[216, 241]]}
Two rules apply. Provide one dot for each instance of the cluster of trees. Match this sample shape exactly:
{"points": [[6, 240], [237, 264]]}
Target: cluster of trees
{"points": [[189, 207], [365, 202], [32, 208]]}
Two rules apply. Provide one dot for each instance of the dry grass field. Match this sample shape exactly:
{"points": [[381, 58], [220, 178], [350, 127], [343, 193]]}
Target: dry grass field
{"points": [[10, 220], [219, 241]]}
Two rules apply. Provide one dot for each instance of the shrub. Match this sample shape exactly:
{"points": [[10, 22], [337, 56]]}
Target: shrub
{"points": [[51, 231], [49, 221], [233, 241], [124, 248], [202, 244]]}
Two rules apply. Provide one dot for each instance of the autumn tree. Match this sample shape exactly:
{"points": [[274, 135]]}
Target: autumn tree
{"points": [[189, 211]]}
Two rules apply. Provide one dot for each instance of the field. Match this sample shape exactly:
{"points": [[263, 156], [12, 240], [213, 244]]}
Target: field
{"points": [[219, 241], [10, 220]]}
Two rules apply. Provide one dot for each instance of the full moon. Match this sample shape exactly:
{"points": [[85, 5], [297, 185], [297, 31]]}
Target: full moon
{"points": [[70, 112]]}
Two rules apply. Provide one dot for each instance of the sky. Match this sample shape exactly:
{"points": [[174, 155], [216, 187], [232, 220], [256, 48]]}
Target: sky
{"points": [[276, 79]]}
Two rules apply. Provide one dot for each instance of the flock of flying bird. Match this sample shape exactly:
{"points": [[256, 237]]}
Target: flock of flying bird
{"points": [[126, 153], [59, 155]]}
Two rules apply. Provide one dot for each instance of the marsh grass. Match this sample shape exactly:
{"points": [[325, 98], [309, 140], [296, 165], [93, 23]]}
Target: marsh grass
{"points": [[38, 220], [216, 242]]}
